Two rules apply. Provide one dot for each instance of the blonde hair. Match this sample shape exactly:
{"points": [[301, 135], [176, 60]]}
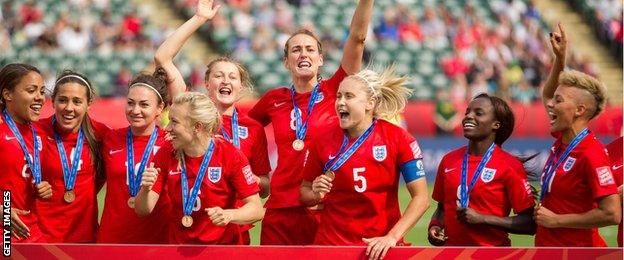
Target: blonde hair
{"points": [[586, 82], [242, 71], [201, 109], [387, 88]]}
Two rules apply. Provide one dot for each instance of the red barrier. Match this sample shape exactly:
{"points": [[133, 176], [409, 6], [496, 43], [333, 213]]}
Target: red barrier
{"points": [[67, 251], [531, 120]]}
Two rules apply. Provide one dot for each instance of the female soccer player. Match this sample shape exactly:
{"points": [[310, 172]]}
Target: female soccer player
{"points": [[477, 185], [204, 175], [298, 113], [21, 100], [615, 156], [72, 163], [127, 152], [226, 82], [362, 158], [578, 190]]}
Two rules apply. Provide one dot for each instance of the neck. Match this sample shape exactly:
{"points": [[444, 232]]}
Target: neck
{"points": [[16, 118], [479, 147], [359, 129], [142, 131], [197, 149], [226, 110], [569, 134], [304, 85]]}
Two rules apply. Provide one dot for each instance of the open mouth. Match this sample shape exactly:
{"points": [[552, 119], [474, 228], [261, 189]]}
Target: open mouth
{"points": [[469, 125], [304, 64], [36, 107], [225, 91], [343, 114], [68, 117], [552, 117]]}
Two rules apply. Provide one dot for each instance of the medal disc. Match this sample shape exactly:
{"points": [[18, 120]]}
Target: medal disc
{"points": [[69, 196], [298, 145], [330, 174], [131, 201], [187, 221]]}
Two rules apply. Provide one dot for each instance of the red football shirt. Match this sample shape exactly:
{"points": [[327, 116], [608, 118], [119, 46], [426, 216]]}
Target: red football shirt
{"points": [[60, 221], [17, 177], [583, 178], [276, 107], [253, 142], [615, 156], [120, 225], [363, 202], [228, 178], [501, 187]]}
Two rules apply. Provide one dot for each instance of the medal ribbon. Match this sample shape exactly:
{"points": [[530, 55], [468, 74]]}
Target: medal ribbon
{"points": [[235, 136], [464, 189], [550, 169], [341, 158], [134, 178], [187, 203], [302, 127], [69, 176], [33, 162]]}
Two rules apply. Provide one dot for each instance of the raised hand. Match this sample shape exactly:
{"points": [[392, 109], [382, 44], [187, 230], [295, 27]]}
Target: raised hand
{"points": [[206, 9], [559, 42]]}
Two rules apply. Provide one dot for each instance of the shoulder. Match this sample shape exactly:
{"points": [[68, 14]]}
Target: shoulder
{"points": [[393, 131], [509, 161], [249, 122], [44, 125], [458, 153], [100, 128], [275, 93]]}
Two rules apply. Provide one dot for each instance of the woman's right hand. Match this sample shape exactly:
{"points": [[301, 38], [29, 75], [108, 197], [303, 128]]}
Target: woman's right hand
{"points": [[206, 9], [150, 175], [18, 228], [322, 185], [559, 42], [436, 236]]}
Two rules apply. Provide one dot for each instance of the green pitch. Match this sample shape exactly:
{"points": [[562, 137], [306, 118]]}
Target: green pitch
{"points": [[418, 235]]}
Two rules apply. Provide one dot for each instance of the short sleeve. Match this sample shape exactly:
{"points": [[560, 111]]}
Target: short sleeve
{"points": [[598, 174], [100, 129], [260, 111], [260, 164], [313, 166], [408, 148], [438, 187], [241, 177], [518, 188]]}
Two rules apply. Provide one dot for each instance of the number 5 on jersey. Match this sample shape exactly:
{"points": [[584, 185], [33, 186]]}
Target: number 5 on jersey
{"points": [[358, 177]]}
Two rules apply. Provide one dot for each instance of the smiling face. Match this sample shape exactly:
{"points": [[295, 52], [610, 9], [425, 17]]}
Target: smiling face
{"points": [[180, 128], [142, 107], [479, 121], [224, 84], [563, 108], [353, 105], [303, 57], [26, 99], [70, 106]]}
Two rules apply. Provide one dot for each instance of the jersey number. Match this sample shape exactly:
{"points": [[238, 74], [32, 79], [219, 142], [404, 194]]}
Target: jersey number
{"points": [[358, 177], [293, 119]]}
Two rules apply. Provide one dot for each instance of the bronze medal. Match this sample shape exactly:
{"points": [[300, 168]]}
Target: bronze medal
{"points": [[298, 145], [330, 174], [69, 196], [187, 221], [131, 202]]}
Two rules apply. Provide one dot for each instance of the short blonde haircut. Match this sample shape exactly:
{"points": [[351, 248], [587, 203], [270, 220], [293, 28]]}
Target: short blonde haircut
{"points": [[388, 89], [586, 82], [201, 109]]}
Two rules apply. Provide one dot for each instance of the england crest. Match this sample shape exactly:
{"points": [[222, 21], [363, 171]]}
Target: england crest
{"points": [[380, 153], [243, 132], [488, 175], [569, 163], [319, 98], [214, 174]]}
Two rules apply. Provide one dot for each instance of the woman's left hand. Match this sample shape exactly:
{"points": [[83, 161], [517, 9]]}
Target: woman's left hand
{"points": [[219, 216], [378, 246], [469, 216], [544, 217], [44, 189]]}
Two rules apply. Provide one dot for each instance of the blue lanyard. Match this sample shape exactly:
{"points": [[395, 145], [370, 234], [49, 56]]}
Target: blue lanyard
{"points": [[69, 176], [549, 171], [134, 178], [187, 203], [464, 189], [302, 127], [33, 162], [341, 158], [235, 135]]}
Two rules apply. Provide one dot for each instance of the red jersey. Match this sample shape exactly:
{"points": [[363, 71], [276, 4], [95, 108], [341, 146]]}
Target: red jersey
{"points": [[615, 156], [276, 107], [228, 178], [502, 186], [60, 221], [363, 202], [253, 142], [583, 178], [120, 225], [17, 177]]}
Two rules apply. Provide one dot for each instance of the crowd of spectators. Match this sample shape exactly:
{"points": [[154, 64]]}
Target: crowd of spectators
{"points": [[605, 17]]}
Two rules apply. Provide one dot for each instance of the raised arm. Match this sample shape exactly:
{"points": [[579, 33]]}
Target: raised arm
{"points": [[558, 42], [354, 47], [172, 45]]}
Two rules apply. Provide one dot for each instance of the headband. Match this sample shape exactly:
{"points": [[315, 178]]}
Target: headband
{"points": [[76, 77], [368, 84], [148, 86]]}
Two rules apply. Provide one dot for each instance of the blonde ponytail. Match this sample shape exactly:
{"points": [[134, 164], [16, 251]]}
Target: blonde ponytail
{"points": [[387, 88]]}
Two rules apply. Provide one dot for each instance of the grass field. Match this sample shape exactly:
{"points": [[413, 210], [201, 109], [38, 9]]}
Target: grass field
{"points": [[418, 235]]}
